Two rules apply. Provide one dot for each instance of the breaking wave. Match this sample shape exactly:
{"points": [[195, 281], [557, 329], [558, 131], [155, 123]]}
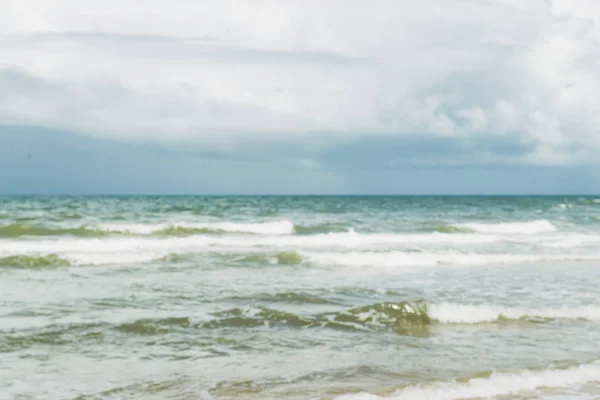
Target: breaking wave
{"points": [[493, 384], [404, 318], [509, 228], [241, 251], [274, 228], [283, 227], [393, 315], [451, 313], [383, 315], [396, 316]]}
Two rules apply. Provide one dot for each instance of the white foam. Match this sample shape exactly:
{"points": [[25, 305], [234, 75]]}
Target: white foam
{"points": [[199, 242], [509, 228], [334, 245], [498, 384], [94, 251], [283, 227], [409, 259], [451, 313]]}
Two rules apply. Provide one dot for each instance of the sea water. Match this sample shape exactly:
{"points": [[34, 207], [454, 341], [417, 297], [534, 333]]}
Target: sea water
{"points": [[342, 298]]}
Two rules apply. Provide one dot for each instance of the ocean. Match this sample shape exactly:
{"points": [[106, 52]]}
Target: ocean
{"points": [[345, 298]]}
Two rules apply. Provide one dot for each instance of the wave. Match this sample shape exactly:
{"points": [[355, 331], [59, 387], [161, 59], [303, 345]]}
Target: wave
{"points": [[383, 315], [417, 259], [83, 258], [19, 230], [395, 316], [326, 232], [178, 250], [422, 313], [283, 227], [188, 244], [25, 261], [320, 228], [154, 326], [256, 316], [493, 384], [443, 228], [452, 313], [403, 318], [165, 229], [398, 316], [285, 297], [78, 259], [281, 258], [341, 248], [510, 228], [54, 335]]}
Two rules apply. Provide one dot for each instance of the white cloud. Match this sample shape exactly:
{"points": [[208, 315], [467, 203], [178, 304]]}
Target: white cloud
{"points": [[223, 73]]}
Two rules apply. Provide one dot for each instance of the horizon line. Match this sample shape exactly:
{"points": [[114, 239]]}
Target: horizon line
{"points": [[294, 195]]}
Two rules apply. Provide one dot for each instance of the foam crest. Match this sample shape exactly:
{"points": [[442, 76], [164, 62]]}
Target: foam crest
{"points": [[508, 228], [451, 313], [496, 384]]}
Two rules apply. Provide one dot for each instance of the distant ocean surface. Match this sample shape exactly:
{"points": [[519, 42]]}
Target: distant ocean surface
{"points": [[347, 298]]}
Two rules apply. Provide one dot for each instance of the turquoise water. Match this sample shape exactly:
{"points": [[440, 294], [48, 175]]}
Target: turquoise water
{"points": [[299, 297]]}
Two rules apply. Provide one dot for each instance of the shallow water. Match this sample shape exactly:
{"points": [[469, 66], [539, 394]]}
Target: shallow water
{"points": [[302, 298]]}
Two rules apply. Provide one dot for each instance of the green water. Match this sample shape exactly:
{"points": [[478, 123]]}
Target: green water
{"points": [[299, 297]]}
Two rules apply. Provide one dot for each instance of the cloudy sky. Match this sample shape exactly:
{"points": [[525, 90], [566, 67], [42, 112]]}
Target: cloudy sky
{"points": [[300, 96]]}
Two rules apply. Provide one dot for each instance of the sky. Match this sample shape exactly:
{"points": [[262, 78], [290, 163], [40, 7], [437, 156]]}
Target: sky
{"points": [[300, 97]]}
